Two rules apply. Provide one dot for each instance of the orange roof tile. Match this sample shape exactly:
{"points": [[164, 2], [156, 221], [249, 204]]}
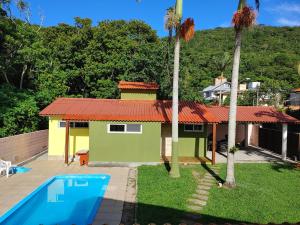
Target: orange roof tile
{"points": [[253, 114], [127, 110], [138, 85], [296, 90]]}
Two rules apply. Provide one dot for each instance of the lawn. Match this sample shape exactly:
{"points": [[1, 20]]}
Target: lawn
{"points": [[265, 193]]}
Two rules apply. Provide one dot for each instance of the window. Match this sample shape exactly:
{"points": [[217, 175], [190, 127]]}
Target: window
{"points": [[193, 127], [116, 128], [124, 128], [62, 124], [79, 124]]}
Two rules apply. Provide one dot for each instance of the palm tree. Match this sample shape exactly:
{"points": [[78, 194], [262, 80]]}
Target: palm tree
{"points": [[221, 64], [175, 151], [243, 18], [186, 31]]}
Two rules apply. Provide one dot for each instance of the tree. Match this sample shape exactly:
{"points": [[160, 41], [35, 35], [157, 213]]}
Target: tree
{"points": [[243, 18], [186, 31], [221, 64]]}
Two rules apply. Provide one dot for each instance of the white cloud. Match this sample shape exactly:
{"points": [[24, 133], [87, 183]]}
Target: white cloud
{"points": [[286, 8], [288, 22]]}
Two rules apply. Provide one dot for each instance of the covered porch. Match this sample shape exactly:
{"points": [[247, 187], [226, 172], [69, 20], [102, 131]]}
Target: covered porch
{"points": [[248, 122]]}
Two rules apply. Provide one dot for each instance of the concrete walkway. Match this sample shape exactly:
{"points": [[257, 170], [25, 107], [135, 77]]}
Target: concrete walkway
{"points": [[248, 155], [18, 186]]}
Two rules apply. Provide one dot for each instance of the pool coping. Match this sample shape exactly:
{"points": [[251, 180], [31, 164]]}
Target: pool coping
{"points": [[91, 217]]}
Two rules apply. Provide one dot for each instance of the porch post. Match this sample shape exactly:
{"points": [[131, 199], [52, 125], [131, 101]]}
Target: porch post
{"points": [[246, 135], [284, 140], [67, 142], [214, 144]]}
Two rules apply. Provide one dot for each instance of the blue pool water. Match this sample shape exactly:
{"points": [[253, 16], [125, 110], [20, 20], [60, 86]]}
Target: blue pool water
{"points": [[63, 200], [20, 169]]}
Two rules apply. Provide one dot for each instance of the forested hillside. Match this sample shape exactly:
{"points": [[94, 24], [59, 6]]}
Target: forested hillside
{"points": [[39, 64]]}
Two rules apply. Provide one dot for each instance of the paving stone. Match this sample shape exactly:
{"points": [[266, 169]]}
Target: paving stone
{"points": [[197, 202], [202, 192], [200, 197], [195, 207], [203, 187], [206, 183]]}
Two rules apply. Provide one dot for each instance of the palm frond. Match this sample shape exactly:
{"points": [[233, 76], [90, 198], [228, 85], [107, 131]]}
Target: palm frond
{"points": [[187, 29], [245, 17]]}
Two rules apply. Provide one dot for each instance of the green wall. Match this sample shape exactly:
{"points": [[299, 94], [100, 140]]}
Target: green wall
{"points": [[192, 143], [138, 94], [112, 147]]}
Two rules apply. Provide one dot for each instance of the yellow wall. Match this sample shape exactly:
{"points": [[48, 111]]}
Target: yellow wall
{"points": [[79, 138]]}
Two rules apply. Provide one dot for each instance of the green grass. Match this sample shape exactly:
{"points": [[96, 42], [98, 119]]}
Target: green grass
{"points": [[265, 193], [163, 199]]}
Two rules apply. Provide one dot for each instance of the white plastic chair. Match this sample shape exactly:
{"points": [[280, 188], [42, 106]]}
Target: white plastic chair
{"points": [[5, 166]]}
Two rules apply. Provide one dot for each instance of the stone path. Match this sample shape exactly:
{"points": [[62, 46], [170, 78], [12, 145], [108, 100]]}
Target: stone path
{"points": [[200, 198], [129, 208]]}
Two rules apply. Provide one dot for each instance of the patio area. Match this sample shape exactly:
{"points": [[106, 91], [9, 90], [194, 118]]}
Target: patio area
{"points": [[18, 186], [250, 154]]}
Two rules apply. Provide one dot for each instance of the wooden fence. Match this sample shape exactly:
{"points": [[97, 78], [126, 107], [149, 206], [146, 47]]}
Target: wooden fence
{"points": [[271, 139], [21, 147]]}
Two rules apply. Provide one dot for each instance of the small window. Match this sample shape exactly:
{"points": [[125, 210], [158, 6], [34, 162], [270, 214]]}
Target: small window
{"points": [[124, 128], [117, 128], [133, 128], [188, 127], [62, 124], [193, 127], [79, 124]]}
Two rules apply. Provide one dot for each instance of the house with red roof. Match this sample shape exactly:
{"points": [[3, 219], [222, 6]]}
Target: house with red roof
{"points": [[137, 127]]}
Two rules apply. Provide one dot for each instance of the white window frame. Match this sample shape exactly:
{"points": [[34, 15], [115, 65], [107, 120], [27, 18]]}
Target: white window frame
{"points": [[63, 121], [125, 128], [194, 131]]}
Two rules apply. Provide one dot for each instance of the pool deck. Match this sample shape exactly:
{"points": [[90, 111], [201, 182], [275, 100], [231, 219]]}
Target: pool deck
{"points": [[18, 186]]}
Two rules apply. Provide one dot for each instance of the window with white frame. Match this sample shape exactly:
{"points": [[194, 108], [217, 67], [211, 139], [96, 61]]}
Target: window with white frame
{"points": [[62, 124], [193, 127], [124, 128]]}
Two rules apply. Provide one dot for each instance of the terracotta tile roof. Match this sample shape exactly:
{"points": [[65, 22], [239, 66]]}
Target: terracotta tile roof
{"points": [[138, 85], [127, 110], [296, 90], [254, 114]]}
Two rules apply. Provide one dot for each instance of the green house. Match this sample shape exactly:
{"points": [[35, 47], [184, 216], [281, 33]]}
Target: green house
{"points": [[133, 129]]}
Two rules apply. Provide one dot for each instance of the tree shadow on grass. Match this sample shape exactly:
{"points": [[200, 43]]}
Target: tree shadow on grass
{"points": [[216, 176], [281, 166], [147, 213]]}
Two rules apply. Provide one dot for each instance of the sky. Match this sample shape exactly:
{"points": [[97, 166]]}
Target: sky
{"points": [[207, 14]]}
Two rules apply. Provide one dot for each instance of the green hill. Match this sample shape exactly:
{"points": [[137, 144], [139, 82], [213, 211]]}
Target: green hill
{"points": [[38, 65]]}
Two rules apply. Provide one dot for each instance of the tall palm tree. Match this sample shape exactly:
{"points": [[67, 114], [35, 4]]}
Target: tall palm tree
{"points": [[186, 31], [175, 151], [243, 18]]}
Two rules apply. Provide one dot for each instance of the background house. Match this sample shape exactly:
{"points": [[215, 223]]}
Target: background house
{"points": [[221, 89], [294, 99]]}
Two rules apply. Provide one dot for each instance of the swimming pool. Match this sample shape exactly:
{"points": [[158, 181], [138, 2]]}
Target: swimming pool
{"points": [[63, 200]]}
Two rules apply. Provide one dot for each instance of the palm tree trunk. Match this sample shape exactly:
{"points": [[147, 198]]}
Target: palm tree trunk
{"points": [[175, 166], [230, 179]]}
